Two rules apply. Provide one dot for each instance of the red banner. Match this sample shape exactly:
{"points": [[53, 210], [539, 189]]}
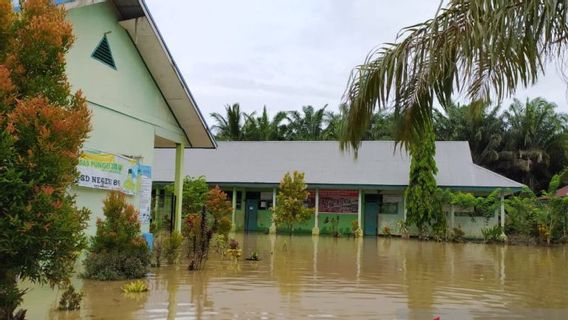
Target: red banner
{"points": [[335, 201]]}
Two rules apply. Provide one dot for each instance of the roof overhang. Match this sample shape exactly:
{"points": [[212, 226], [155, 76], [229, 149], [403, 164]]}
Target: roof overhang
{"points": [[136, 19]]}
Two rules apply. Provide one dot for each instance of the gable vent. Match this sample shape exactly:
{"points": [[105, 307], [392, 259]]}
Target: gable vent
{"points": [[103, 53]]}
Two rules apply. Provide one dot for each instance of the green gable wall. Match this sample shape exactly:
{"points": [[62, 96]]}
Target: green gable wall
{"points": [[130, 89], [127, 107]]}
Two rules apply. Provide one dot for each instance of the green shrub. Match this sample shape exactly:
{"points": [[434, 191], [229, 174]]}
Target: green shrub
{"points": [[135, 287], [70, 299], [172, 247], [118, 251], [355, 229], [220, 244], [457, 234], [492, 234]]}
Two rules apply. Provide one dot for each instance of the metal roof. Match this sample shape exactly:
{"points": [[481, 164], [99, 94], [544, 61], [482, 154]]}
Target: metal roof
{"points": [[379, 164]]}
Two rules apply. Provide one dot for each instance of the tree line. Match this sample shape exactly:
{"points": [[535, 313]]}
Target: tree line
{"points": [[526, 141]]}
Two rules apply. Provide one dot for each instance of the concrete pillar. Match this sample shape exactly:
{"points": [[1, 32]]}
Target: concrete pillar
{"points": [[503, 236], [316, 230], [233, 213], [178, 185], [360, 209], [273, 225]]}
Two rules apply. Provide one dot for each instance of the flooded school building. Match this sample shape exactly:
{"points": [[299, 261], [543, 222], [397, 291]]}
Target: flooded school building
{"points": [[368, 189]]}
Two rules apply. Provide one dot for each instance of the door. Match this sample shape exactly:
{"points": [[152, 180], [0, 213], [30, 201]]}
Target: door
{"points": [[371, 214], [251, 214]]}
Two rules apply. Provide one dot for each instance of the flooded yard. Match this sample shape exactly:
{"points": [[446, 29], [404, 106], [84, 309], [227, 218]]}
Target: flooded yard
{"points": [[303, 277]]}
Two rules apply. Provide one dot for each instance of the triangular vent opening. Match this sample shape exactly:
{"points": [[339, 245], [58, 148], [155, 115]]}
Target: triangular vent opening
{"points": [[103, 53]]}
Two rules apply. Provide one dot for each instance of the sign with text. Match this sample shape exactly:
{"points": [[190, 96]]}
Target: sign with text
{"points": [[108, 171], [335, 201]]}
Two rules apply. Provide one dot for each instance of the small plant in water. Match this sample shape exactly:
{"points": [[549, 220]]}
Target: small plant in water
{"points": [[220, 244], [172, 247], [234, 251], [70, 299], [403, 229], [387, 231], [492, 234], [457, 234], [135, 287], [356, 229], [158, 248], [253, 256], [334, 226]]}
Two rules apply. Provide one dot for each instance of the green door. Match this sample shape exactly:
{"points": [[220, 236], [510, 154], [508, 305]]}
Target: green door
{"points": [[251, 215], [371, 214]]}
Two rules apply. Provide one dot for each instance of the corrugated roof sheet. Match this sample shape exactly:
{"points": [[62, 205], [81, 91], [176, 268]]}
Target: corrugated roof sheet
{"points": [[378, 164]]}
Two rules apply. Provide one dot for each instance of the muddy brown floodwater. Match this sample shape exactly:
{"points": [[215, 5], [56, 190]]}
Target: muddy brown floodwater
{"points": [[302, 277]]}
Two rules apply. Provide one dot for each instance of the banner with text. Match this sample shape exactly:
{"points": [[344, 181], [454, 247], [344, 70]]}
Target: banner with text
{"points": [[108, 171]]}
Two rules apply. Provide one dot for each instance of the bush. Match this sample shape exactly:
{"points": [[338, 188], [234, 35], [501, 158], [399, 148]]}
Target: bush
{"points": [[458, 234], [355, 229], [70, 300], [492, 234], [135, 287], [158, 247], [117, 251], [172, 247]]}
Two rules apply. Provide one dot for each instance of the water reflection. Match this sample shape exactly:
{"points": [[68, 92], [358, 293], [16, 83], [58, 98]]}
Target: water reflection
{"points": [[300, 277]]}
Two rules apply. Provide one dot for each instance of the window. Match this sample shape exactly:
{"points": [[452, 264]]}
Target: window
{"points": [[265, 202], [239, 198], [103, 53], [390, 204]]}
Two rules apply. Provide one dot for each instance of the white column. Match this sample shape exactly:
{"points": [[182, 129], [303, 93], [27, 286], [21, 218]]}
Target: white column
{"points": [[273, 225], [315, 230], [360, 209], [503, 236], [233, 214]]}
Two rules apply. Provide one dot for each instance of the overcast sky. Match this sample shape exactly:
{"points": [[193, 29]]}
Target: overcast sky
{"points": [[288, 53]]}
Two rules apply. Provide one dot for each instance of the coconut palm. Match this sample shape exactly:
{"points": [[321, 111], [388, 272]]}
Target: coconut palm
{"points": [[308, 124], [482, 48], [230, 126], [263, 129]]}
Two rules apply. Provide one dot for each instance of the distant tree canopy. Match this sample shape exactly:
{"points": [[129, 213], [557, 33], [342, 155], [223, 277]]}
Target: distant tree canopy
{"points": [[527, 142]]}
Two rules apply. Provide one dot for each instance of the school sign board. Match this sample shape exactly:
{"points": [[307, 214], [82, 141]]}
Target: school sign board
{"points": [[108, 171]]}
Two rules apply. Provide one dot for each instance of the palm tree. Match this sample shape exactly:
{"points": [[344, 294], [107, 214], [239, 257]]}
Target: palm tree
{"points": [[536, 142], [308, 125], [482, 48], [263, 129], [229, 127], [382, 126], [477, 123]]}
